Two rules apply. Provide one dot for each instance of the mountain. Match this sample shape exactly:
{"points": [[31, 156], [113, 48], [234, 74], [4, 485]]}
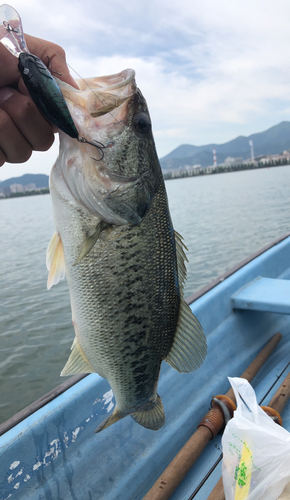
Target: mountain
{"points": [[274, 140], [40, 180]]}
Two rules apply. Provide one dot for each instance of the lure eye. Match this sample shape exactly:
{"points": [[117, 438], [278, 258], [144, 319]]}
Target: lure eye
{"points": [[142, 123]]}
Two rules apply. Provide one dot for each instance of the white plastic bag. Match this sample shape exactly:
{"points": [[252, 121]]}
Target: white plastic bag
{"points": [[256, 450], [285, 495]]}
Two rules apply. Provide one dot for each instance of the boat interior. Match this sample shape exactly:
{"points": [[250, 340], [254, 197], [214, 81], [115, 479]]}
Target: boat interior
{"points": [[53, 452]]}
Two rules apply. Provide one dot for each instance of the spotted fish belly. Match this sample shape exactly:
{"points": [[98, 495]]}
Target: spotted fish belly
{"points": [[126, 303]]}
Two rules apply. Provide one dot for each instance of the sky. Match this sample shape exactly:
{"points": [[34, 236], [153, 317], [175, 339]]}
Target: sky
{"points": [[210, 71]]}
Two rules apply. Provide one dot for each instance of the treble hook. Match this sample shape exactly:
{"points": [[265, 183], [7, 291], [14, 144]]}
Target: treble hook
{"points": [[96, 144]]}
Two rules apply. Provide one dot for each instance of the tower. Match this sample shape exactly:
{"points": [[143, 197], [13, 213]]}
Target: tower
{"points": [[214, 157], [252, 150]]}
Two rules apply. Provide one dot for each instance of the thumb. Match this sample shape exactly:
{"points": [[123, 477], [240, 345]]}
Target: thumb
{"points": [[52, 55]]}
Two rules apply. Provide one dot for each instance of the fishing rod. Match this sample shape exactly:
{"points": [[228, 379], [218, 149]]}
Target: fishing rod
{"points": [[210, 425], [42, 87], [219, 459]]}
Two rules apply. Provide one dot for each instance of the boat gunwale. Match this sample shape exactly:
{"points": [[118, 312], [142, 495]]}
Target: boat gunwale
{"points": [[202, 291], [54, 393]]}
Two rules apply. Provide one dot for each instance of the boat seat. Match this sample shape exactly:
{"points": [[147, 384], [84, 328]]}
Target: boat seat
{"points": [[264, 294]]}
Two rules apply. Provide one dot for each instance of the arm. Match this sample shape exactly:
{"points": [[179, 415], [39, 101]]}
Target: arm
{"points": [[22, 128]]}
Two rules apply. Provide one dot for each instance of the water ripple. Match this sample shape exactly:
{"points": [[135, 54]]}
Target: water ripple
{"points": [[223, 219]]}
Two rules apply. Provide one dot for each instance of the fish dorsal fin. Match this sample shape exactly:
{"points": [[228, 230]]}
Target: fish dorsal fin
{"points": [[181, 258], [55, 261], [189, 347], [77, 362]]}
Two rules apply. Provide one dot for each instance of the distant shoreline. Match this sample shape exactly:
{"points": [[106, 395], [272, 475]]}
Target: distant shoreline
{"points": [[222, 169], [177, 175], [33, 192]]}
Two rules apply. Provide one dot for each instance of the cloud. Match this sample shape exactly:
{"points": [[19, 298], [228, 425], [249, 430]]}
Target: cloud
{"points": [[209, 70]]}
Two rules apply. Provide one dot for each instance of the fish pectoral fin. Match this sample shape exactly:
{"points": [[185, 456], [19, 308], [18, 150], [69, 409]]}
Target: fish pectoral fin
{"points": [[151, 415], [55, 261], [77, 362], [112, 419], [189, 346], [90, 241]]}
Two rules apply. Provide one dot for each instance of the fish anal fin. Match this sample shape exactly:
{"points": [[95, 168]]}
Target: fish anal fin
{"points": [[151, 415], [55, 261], [77, 362], [189, 347], [112, 419], [90, 241]]}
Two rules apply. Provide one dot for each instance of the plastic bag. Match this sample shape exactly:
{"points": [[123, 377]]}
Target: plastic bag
{"points": [[256, 450], [285, 495]]}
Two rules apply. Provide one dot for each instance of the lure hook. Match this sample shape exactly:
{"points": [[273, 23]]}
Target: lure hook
{"points": [[102, 156], [96, 144]]}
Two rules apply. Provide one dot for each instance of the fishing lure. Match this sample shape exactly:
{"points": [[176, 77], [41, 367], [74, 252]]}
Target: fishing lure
{"points": [[42, 87]]}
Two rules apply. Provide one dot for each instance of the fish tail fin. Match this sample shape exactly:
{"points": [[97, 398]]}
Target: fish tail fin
{"points": [[112, 419], [151, 415]]}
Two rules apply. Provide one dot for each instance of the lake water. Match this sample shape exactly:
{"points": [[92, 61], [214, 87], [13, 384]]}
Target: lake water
{"points": [[223, 218]]}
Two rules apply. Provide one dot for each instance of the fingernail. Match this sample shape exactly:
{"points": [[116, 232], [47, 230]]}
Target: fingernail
{"points": [[5, 93]]}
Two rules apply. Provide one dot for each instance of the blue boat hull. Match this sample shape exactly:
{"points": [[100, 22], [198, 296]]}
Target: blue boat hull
{"points": [[54, 453]]}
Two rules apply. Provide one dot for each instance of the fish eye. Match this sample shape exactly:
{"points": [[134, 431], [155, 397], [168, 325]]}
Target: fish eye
{"points": [[142, 123]]}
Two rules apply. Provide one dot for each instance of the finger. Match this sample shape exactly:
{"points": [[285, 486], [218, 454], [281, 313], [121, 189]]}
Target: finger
{"points": [[46, 51], [51, 53], [10, 75], [14, 147], [35, 130], [3, 158], [23, 90]]}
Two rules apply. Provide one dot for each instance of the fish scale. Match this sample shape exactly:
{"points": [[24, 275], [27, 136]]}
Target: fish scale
{"points": [[124, 263], [143, 290]]}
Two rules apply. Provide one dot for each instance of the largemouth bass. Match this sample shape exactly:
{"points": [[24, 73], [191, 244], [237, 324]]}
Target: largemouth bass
{"points": [[115, 242]]}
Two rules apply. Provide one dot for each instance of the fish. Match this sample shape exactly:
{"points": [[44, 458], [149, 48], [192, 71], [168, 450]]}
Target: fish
{"points": [[115, 243]]}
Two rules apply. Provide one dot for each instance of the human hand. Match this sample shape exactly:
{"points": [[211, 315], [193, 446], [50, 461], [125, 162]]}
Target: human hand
{"points": [[22, 128]]}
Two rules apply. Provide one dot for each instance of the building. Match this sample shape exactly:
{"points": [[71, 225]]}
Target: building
{"points": [[233, 161], [16, 188], [29, 187]]}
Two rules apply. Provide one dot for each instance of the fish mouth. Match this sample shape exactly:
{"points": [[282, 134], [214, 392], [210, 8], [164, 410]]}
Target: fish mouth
{"points": [[109, 92], [102, 94], [108, 82]]}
